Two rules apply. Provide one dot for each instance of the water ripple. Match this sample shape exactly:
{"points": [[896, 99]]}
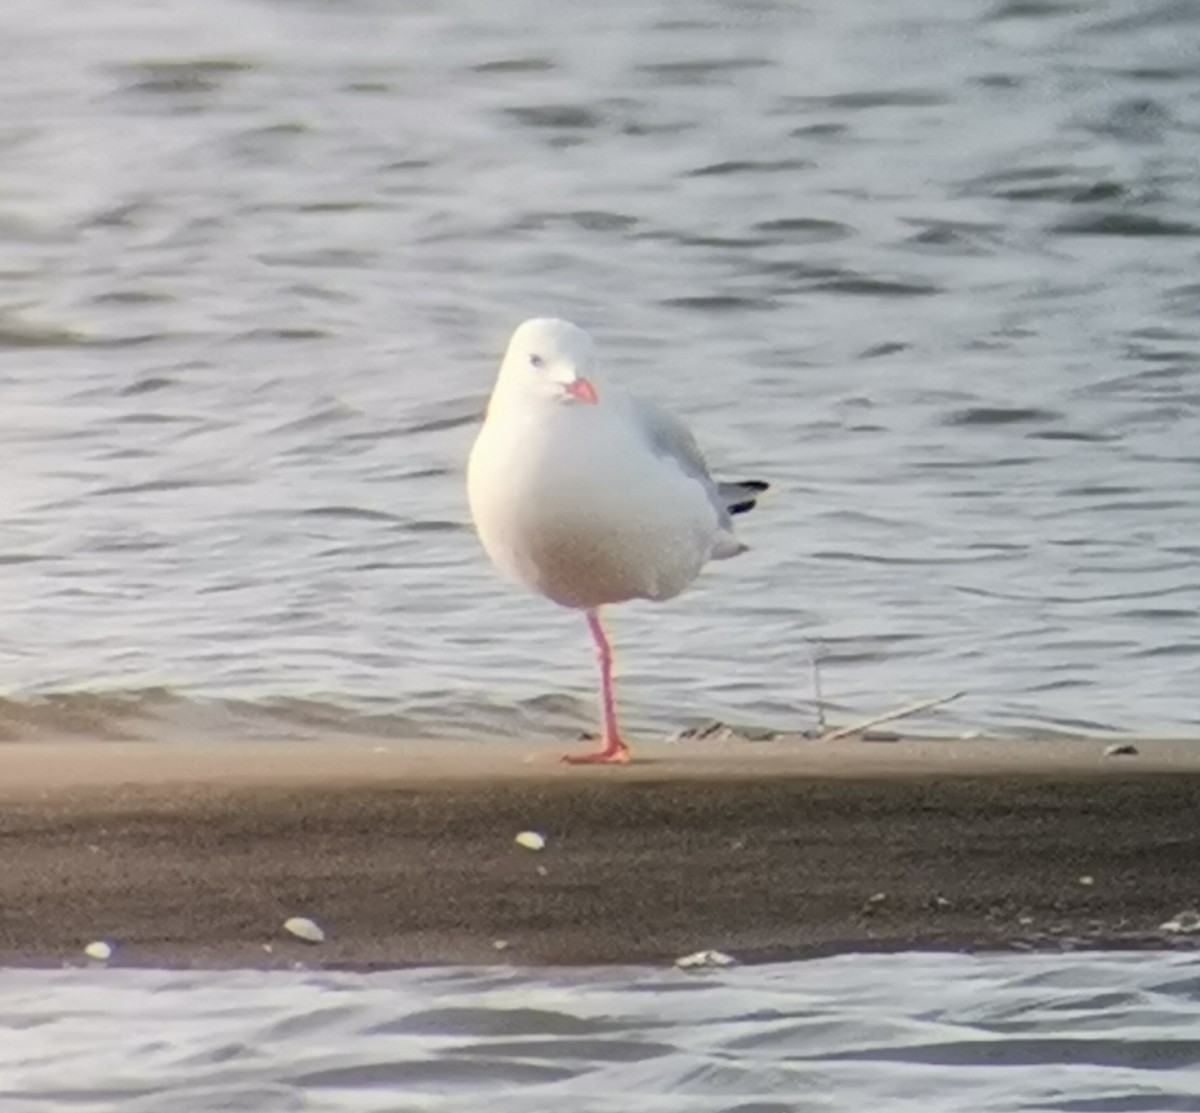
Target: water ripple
{"points": [[902, 1031], [930, 270]]}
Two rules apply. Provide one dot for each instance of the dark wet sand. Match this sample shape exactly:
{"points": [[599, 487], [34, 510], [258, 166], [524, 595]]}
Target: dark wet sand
{"points": [[195, 854]]}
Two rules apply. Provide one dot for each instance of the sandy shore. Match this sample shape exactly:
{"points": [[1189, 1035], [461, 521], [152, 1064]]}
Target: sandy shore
{"points": [[195, 854]]}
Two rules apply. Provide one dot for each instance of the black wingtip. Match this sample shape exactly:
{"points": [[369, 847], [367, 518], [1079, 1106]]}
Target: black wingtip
{"points": [[744, 493]]}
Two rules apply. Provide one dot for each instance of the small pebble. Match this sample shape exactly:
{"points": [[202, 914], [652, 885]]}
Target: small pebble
{"points": [[531, 840], [1087, 879], [1121, 749], [99, 951], [873, 904], [303, 928], [500, 944], [542, 871], [705, 960]]}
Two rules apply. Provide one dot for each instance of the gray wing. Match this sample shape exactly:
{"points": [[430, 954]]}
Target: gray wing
{"points": [[670, 438]]}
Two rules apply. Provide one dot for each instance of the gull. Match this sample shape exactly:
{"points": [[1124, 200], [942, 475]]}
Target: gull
{"points": [[589, 496]]}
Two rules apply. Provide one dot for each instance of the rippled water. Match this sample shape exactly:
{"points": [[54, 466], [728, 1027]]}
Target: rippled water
{"points": [[1098, 1034], [931, 268]]}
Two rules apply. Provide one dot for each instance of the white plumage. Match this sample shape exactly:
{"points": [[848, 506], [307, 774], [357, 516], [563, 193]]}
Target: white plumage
{"points": [[588, 496]]}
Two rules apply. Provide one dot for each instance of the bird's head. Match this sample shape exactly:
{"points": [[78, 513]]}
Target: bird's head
{"points": [[549, 359]]}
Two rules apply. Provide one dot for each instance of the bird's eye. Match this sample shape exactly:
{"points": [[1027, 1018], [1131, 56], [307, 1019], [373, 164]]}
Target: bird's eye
{"points": [[536, 361]]}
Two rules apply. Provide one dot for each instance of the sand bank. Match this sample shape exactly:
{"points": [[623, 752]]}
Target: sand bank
{"points": [[194, 854]]}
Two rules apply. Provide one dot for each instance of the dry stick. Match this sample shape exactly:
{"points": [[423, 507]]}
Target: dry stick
{"points": [[816, 664], [887, 717]]}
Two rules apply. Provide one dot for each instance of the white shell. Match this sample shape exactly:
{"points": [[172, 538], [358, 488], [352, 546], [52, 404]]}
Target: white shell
{"points": [[303, 928], [99, 951], [1183, 923], [531, 840], [705, 960]]}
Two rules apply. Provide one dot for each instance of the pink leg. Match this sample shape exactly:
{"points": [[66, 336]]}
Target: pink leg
{"points": [[615, 751]]}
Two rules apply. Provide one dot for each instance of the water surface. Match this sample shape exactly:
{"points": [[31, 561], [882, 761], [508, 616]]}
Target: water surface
{"points": [[931, 269], [1089, 1034]]}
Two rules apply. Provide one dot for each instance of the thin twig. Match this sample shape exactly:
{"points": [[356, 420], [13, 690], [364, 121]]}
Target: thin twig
{"points": [[887, 717], [816, 667]]}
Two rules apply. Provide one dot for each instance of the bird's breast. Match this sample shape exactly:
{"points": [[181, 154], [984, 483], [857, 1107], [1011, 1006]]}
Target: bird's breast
{"points": [[571, 508]]}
